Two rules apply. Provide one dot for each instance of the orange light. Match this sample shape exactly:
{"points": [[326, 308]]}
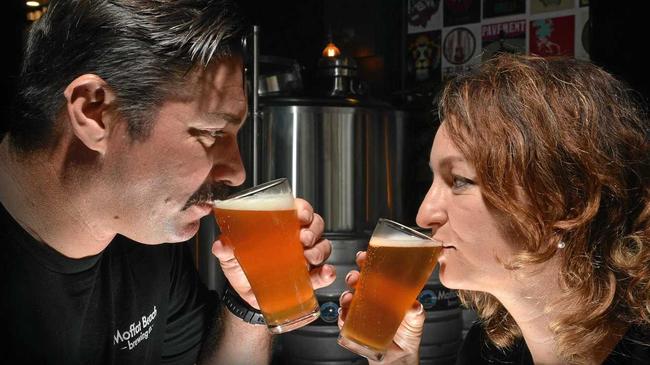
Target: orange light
{"points": [[331, 51]]}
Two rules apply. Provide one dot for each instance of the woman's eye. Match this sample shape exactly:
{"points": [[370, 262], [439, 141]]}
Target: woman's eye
{"points": [[460, 182]]}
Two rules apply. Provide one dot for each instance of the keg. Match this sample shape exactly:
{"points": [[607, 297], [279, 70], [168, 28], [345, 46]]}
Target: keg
{"points": [[316, 344]]}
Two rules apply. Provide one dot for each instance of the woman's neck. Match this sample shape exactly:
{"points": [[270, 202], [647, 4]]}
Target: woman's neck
{"points": [[527, 301]]}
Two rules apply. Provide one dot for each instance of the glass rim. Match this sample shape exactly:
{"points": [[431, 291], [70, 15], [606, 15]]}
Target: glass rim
{"points": [[406, 229], [255, 189]]}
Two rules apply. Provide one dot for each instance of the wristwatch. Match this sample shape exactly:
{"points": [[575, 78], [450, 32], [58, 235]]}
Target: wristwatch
{"points": [[237, 306]]}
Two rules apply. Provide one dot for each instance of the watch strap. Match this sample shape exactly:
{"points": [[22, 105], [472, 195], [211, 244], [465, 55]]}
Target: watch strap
{"points": [[237, 306]]}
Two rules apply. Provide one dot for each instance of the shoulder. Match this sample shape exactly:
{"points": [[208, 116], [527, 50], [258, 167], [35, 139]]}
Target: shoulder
{"points": [[634, 348]]}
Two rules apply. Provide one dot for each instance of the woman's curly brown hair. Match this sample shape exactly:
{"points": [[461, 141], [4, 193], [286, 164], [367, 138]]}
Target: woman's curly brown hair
{"points": [[561, 149]]}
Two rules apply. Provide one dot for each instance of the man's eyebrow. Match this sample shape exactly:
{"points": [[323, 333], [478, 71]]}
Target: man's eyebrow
{"points": [[219, 116]]}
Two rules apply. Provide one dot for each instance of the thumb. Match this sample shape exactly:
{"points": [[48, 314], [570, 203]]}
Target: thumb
{"points": [[409, 334]]}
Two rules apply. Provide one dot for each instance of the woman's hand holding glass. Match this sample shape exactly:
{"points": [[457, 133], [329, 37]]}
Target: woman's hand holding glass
{"points": [[406, 343]]}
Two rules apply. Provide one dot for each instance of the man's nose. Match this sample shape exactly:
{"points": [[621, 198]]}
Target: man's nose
{"points": [[228, 166]]}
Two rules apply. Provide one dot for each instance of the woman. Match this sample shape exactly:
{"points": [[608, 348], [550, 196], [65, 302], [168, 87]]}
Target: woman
{"points": [[541, 197]]}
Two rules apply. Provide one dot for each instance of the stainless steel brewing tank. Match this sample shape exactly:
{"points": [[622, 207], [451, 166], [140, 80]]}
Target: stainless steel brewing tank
{"points": [[344, 156]]}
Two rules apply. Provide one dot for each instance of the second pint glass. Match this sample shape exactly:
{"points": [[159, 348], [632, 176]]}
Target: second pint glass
{"points": [[398, 264], [262, 227]]}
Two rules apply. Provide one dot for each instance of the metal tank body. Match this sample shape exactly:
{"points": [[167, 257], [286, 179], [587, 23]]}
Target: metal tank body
{"points": [[343, 156]]}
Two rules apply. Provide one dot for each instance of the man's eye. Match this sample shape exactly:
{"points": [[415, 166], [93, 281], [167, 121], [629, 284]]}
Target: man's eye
{"points": [[214, 133], [460, 182]]}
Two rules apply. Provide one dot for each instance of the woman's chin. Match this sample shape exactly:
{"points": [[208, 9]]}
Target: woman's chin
{"points": [[447, 277]]}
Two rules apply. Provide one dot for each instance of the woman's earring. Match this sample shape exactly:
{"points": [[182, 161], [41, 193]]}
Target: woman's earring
{"points": [[561, 244]]}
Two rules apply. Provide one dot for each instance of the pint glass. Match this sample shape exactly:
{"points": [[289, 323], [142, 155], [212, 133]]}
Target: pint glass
{"points": [[262, 227], [398, 263]]}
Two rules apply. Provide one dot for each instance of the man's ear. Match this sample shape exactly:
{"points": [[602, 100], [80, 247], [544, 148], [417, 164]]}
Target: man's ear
{"points": [[88, 98]]}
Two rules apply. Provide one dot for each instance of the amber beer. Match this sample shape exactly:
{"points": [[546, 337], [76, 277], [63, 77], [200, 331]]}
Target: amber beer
{"points": [[393, 275], [264, 233]]}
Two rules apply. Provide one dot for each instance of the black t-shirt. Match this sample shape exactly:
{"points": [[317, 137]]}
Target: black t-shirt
{"points": [[633, 349], [131, 304]]}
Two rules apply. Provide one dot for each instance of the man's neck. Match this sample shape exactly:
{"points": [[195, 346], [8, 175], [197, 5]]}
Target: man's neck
{"points": [[33, 193]]}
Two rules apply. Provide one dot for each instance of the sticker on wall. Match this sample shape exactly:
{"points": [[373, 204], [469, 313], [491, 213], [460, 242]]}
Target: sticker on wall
{"points": [[552, 36], [542, 6], [507, 37], [423, 59], [495, 8], [582, 35], [457, 12], [460, 49], [584, 3], [423, 15]]}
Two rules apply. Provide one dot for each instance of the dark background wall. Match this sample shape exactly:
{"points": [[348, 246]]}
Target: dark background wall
{"points": [[12, 26], [619, 39]]}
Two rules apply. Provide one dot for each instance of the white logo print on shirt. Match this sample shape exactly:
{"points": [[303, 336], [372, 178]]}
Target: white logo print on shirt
{"points": [[137, 331]]}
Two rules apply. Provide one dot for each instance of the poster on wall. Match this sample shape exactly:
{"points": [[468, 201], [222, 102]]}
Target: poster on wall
{"points": [[507, 37], [423, 15], [543, 6], [457, 12], [552, 36], [461, 48], [423, 59], [496, 8], [582, 35]]}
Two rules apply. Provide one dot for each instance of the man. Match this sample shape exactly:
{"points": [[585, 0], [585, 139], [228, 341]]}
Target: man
{"points": [[129, 112]]}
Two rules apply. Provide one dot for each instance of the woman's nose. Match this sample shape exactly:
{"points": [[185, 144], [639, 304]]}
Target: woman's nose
{"points": [[432, 213]]}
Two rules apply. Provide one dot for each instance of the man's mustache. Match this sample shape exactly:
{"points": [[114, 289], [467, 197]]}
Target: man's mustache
{"points": [[208, 193]]}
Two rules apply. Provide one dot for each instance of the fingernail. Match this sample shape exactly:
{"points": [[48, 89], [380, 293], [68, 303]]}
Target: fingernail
{"points": [[339, 311], [358, 253], [348, 276], [343, 295]]}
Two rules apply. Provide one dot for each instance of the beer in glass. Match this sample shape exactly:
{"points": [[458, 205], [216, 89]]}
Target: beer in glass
{"points": [[398, 263], [262, 227]]}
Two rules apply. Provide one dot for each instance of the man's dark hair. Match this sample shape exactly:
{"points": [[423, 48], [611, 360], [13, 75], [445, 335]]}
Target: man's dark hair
{"points": [[141, 48]]}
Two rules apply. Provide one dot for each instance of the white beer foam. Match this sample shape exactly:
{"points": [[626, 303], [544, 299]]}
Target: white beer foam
{"points": [[262, 202], [402, 241]]}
